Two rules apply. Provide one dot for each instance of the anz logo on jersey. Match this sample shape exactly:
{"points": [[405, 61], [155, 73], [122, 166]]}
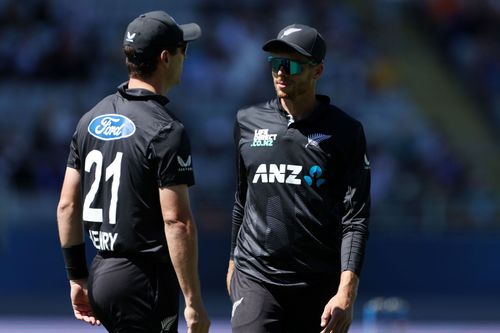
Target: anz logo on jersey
{"points": [[288, 174], [314, 177], [111, 127], [276, 173]]}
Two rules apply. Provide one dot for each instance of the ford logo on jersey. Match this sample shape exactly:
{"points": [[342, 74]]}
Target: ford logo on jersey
{"points": [[111, 127]]}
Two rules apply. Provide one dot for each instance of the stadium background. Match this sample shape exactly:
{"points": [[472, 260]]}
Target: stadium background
{"points": [[422, 76]]}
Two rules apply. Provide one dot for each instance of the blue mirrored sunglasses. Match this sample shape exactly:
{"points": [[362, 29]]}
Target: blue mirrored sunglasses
{"points": [[290, 66]]}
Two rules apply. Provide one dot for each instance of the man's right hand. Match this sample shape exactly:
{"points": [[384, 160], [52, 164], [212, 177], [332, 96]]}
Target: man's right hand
{"points": [[80, 302], [196, 319]]}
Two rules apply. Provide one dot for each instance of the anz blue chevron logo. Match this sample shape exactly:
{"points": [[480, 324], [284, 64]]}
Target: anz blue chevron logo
{"points": [[314, 177]]}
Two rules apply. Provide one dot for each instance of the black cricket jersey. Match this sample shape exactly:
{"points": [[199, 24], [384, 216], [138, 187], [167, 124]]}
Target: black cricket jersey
{"points": [[303, 194], [126, 148]]}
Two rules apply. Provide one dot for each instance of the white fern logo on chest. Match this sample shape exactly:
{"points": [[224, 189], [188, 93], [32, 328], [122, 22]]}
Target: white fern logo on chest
{"points": [[316, 138]]}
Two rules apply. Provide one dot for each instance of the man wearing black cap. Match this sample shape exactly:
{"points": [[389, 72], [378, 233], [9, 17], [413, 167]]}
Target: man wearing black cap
{"points": [[300, 218], [127, 179]]}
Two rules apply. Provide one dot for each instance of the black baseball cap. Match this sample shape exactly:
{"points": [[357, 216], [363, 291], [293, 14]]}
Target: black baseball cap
{"points": [[303, 39], [153, 30]]}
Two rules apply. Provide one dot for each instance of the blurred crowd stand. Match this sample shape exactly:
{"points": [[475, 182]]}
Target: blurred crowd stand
{"points": [[58, 58]]}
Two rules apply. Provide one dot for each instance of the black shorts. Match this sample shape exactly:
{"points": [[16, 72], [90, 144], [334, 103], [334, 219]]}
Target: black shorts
{"points": [[264, 308], [129, 295]]}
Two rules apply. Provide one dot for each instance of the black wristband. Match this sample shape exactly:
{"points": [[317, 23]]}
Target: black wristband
{"points": [[75, 262]]}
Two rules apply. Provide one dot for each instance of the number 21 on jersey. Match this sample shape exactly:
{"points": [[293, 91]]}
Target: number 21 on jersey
{"points": [[112, 171]]}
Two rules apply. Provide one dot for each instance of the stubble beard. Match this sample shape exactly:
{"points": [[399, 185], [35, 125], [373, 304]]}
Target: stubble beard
{"points": [[282, 94]]}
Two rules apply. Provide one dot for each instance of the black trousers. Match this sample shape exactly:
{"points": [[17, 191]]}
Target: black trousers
{"points": [[264, 308], [137, 296]]}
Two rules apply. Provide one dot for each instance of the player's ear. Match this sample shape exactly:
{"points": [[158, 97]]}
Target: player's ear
{"points": [[164, 56], [318, 70]]}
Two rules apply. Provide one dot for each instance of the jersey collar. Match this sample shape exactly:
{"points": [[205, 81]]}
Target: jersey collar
{"points": [[324, 102], [140, 94]]}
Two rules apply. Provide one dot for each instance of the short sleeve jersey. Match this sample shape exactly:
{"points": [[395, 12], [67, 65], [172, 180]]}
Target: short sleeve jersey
{"points": [[303, 194], [126, 148]]}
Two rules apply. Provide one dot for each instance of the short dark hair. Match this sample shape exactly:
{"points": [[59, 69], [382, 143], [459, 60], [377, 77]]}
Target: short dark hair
{"points": [[142, 65]]}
